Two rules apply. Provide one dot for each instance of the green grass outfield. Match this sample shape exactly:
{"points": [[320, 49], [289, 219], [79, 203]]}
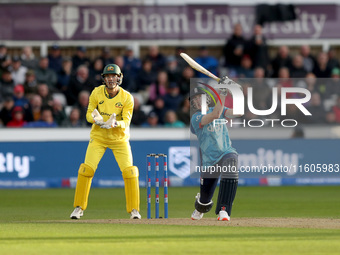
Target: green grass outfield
{"points": [[37, 222]]}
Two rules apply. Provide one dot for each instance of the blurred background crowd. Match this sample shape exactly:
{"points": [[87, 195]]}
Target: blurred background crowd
{"points": [[53, 90]]}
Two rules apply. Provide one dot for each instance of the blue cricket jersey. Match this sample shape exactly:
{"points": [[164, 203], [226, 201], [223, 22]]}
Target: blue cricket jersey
{"points": [[214, 142]]}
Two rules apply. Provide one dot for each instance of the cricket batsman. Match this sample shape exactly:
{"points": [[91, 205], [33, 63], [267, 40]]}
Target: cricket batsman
{"points": [[217, 155], [110, 110]]}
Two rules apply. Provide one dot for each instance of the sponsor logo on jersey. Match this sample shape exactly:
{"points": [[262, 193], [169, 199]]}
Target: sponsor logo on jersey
{"points": [[104, 113], [119, 105]]}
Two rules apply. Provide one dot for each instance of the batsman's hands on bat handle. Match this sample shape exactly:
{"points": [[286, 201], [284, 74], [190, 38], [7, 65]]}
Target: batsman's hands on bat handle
{"points": [[97, 118], [226, 80], [111, 123], [223, 80], [223, 91]]}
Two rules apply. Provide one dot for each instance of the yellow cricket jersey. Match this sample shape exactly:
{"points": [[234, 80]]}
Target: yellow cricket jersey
{"points": [[121, 105]]}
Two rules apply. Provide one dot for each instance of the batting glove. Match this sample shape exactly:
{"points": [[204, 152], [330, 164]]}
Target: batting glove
{"points": [[97, 118], [111, 123], [227, 81], [223, 80]]}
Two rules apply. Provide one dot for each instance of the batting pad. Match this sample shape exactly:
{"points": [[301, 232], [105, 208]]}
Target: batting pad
{"points": [[130, 176], [85, 175]]}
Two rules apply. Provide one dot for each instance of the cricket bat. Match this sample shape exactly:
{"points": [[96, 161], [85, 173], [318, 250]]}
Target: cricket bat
{"points": [[198, 67]]}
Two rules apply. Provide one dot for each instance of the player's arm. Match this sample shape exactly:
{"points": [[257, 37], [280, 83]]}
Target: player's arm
{"points": [[228, 113], [215, 114], [92, 115]]}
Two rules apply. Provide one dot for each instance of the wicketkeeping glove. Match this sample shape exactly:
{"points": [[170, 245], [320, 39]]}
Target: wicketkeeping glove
{"points": [[111, 123], [98, 119]]}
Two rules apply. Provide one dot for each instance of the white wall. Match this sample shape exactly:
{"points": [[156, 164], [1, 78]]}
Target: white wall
{"points": [[142, 134]]}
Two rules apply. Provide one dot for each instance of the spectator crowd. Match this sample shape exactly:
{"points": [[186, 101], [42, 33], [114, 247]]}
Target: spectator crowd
{"points": [[53, 90]]}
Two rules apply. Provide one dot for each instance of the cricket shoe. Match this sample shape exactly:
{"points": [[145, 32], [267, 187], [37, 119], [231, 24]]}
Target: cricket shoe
{"points": [[196, 215], [135, 215], [77, 213], [223, 216]]}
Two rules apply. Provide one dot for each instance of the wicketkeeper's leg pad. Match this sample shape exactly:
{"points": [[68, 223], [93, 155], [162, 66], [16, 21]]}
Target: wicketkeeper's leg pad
{"points": [[85, 175], [203, 208], [130, 176]]}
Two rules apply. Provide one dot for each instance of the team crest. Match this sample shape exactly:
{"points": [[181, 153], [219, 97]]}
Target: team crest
{"points": [[119, 105], [110, 68]]}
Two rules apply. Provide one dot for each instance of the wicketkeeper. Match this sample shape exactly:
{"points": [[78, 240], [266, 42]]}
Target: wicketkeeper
{"points": [[216, 153], [110, 110]]}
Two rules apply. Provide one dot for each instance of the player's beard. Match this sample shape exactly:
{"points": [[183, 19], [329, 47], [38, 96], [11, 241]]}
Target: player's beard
{"points": [[112, 84]]}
